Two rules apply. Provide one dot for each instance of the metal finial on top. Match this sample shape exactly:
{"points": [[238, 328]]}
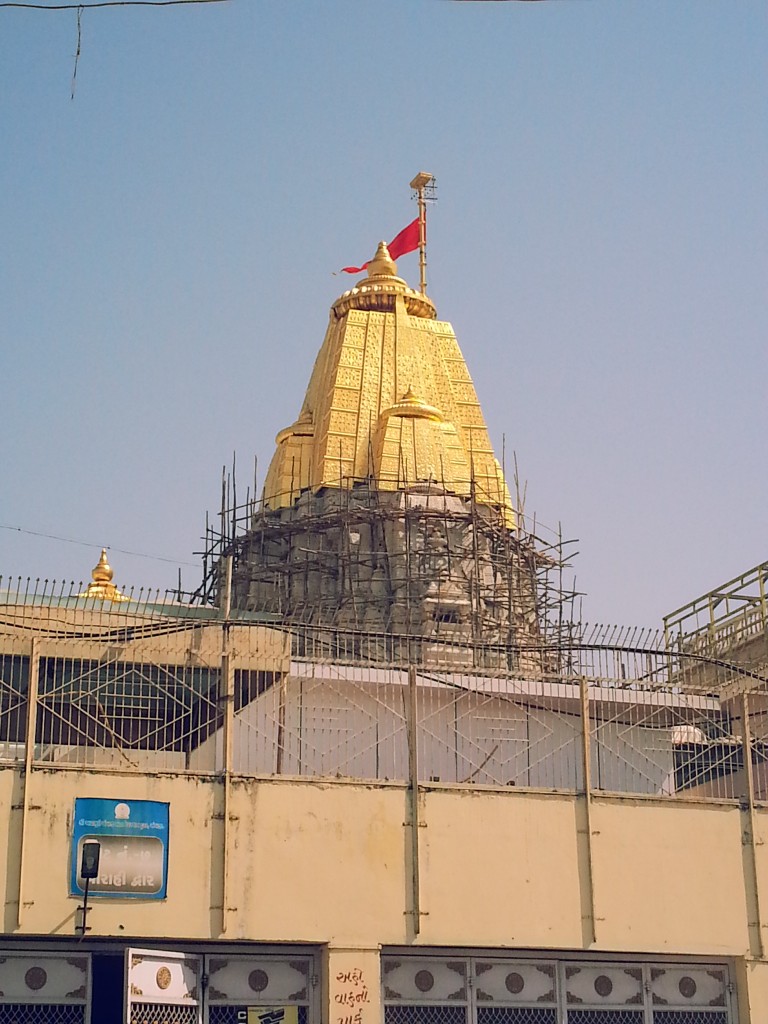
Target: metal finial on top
{"points": [[425, 187]]}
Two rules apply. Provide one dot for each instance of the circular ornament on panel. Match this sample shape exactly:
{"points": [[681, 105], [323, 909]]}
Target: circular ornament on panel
{"points": [[687, 987], [514, 983], [603, 985], [163, 978], [424, 981], [258, 980], [35, 978]]}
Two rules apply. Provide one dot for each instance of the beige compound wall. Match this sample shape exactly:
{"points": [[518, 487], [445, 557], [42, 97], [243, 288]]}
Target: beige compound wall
{"points": [[331, 863]]}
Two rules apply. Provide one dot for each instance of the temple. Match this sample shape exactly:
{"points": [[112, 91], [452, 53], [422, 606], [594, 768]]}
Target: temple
{"points": [[385, 508]]}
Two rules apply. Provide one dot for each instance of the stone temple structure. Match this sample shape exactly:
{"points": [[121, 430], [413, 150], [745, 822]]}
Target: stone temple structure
{"points": [[385, 509]]}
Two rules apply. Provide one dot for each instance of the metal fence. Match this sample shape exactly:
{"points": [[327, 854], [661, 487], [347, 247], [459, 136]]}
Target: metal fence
{"points": [[155, 686]]}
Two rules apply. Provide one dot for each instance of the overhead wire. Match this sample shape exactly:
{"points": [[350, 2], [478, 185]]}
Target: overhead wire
{"points": [[91, 544], [106, 3]]}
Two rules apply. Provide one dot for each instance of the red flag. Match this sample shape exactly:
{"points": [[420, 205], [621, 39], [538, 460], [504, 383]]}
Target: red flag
{"points": [[406, 241]]}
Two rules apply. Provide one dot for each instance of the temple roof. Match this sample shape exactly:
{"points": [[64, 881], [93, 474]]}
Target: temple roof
{"points": [[390, 401]]}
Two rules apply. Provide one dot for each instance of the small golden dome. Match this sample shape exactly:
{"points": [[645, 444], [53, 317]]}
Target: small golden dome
{"points": [[414, 407], [382, 264], [378, 290], [101, 587], [102, 571], [302, 427]]}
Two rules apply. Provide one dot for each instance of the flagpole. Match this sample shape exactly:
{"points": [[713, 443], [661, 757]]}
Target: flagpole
{"points": [[420, 184]]}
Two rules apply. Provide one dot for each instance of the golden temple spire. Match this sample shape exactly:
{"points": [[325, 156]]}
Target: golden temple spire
{"points": [[390, 402], [101, 586]]}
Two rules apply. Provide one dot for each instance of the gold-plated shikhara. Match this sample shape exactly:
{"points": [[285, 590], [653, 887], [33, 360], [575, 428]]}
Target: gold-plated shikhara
{"points": [[390, 402], [385, 508], [101, 587]]}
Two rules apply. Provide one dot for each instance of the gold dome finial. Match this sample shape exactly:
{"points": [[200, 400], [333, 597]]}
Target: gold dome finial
{"points": [[101, 586], [102, 571], [382, 264], [379, 290]]}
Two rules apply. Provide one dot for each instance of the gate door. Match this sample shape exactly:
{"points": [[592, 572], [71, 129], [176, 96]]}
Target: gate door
{"points": [[162, 987], [44, 988], [259, 990]]}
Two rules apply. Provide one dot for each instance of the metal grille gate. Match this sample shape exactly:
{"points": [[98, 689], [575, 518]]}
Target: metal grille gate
{"points": [[480, 990], [183, 988], [41, 1013], [44, 988], [161, 987]]}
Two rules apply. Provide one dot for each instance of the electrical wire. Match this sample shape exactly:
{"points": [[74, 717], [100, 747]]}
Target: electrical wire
{"points": [[108, 3], [98, 547]]}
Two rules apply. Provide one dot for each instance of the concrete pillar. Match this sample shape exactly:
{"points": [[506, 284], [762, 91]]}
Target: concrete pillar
{"points": [[352, 986], [752, 990]]}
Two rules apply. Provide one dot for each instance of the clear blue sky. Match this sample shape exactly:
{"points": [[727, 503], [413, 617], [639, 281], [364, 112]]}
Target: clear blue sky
{"points": [[599, 245]]}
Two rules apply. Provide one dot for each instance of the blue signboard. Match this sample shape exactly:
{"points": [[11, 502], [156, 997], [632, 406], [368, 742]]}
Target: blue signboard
{"points": [[133, 840]]}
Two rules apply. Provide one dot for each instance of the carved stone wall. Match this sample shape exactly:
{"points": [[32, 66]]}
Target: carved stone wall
{"points": [[421, 563]]}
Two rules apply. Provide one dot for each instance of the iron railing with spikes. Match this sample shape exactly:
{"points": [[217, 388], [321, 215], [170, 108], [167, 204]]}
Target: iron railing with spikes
{"points": [[144, 684]]}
